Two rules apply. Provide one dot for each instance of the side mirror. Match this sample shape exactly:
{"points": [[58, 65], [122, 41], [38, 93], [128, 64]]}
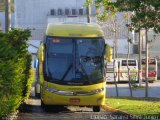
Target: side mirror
{"points": [[41, 52], [109, 53], [35, 63]]}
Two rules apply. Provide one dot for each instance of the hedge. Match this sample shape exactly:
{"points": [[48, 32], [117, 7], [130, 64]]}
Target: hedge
{"points": [[15, 65]]}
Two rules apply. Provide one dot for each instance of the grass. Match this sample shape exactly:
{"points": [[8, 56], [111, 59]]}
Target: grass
{"points": [[136, 106], [138, 87]]}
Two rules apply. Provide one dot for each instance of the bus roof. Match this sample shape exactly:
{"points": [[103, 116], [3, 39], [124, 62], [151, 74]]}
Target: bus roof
{"points": [[74, 30]]}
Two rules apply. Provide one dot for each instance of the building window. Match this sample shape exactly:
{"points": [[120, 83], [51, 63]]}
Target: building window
{"points": [[66, 11], [59, 12], [81, 11], [52, 12], [73, 11]]}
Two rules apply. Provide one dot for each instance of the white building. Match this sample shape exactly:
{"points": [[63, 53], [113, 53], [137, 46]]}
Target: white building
{"points": [[36, 14]]}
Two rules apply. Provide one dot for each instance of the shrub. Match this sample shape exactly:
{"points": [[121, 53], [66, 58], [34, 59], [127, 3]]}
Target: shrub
{"points": [[14, 70]]}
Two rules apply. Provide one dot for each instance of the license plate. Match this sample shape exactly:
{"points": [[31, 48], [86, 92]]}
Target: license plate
{"points": [[75, 100]]}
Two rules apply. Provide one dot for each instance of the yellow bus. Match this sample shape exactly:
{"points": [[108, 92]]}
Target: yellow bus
{"points": [[71, 66]]}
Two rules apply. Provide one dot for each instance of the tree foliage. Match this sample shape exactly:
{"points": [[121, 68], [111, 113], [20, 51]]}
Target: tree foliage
{"points": [[104, 9], [146, 13]]}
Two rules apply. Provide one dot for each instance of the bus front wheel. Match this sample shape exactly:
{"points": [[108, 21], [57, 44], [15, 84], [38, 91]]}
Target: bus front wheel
{"points": [[45, 107], [96, 108], [42, 104]]}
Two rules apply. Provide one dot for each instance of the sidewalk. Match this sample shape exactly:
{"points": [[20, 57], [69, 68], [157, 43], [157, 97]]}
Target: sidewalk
{"points": [[123, 90]]}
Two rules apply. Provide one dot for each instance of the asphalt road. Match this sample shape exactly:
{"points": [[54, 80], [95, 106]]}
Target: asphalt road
{"points": [[123, 90], [33, 111]]}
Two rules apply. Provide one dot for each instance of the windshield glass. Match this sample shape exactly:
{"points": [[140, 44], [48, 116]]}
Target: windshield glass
{"points": [[74, 61], [130, 62]]}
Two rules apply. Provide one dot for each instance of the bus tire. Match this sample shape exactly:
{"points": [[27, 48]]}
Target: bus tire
{"points": [[151, 81], [42, 104], [96, 108], [45, 107], [37, 95]]}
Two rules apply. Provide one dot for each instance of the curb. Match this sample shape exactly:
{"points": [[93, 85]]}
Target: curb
{"points": [[124, 114], [113, 110], [12, 116]]}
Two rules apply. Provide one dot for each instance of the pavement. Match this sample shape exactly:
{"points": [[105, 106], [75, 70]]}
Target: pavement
{"points": [[123, 90]]}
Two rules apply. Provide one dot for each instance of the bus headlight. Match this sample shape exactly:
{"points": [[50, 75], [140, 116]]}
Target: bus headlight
{"points": [[97, 91], [75, 93], [50, 89]]}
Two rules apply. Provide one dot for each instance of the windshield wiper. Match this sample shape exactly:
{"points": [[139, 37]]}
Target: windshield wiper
{"points": [[84, 71], [68, 69], [52, 79]]}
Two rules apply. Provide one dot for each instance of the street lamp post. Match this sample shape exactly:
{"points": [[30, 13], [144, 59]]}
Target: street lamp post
{"points": [[146, 69], [88, 11], [7, 15], [0, 28], [140, 60]]}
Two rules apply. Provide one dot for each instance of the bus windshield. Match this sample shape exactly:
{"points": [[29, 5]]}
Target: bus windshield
{"points": [[74, 61]]}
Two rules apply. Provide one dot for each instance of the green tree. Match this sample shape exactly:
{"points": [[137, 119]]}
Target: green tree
{"points": [[146, 12], [146, 16], [107, 12]]}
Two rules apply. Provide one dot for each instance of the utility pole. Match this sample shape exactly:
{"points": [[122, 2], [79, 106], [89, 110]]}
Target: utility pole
{"points": [[0, 28], [7, 15], [128, 54], [115, 38], [146, 69], [140, 60], [88, 11]]}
